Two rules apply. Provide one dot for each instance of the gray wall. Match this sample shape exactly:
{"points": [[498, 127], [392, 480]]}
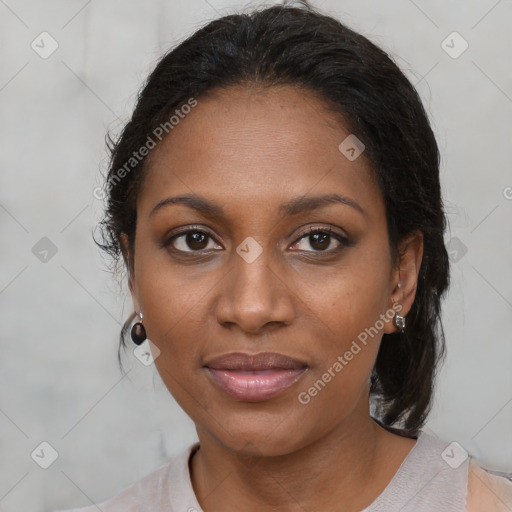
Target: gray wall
{"points": [[60, 318]]}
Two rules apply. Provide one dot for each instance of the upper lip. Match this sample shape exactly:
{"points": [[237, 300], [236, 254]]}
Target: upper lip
{"points": [[255, 362]]}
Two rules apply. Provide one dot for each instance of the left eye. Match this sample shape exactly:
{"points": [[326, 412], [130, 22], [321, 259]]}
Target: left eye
{"points": [[320, 239]]}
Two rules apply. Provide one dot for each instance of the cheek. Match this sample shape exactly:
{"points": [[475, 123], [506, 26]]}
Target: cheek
{"points": [[346, 299], [349, 310], [337, 384], [177, 316], [174, 326], [172, 296], [167, 306]]}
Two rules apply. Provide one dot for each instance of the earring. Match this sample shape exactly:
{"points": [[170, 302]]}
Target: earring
{"points": [[138, 332], [400, 322]]}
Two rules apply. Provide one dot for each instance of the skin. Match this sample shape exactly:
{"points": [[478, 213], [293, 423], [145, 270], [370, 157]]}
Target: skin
{"points": [[249, 150]]}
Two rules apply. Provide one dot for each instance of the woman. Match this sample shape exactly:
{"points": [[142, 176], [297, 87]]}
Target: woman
{"points": [[276, 201]]}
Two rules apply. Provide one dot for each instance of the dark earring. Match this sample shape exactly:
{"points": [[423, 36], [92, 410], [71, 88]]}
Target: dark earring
{"points": [[138, 332]]}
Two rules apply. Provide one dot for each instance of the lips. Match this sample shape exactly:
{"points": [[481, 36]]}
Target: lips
{"points": [[254, 377]]}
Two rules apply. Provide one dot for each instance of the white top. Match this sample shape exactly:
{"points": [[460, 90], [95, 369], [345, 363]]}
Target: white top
{"points": [[433, 477]]}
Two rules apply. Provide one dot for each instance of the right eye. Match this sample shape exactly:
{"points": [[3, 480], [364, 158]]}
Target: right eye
{"points": [[191, 240]]}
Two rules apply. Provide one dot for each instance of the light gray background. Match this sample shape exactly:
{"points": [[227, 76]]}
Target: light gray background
{"points": [[59, 379]]}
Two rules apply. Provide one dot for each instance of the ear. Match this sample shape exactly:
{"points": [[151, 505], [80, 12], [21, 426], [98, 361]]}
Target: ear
{"points": [[128, 261], [404, 280]]}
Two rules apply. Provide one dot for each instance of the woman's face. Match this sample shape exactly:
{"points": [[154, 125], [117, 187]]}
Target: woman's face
{"points": [[250, 279]]}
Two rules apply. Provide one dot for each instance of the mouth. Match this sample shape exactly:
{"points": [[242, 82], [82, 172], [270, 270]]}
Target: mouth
{"points": [[254, 378]]}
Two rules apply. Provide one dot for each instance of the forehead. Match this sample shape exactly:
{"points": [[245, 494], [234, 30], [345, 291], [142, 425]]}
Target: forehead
{"points": [[259, 146]]}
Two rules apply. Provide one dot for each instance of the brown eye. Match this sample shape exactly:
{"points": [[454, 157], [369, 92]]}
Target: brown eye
{"points": [[191, 240], [320, 239], [195, 240]]}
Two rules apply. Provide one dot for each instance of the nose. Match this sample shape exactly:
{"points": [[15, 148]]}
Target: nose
{"points": [[254, 297]]}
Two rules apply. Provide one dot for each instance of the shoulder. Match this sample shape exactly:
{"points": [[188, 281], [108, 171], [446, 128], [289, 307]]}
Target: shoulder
{"points": [[161, 489], [488, 491]]}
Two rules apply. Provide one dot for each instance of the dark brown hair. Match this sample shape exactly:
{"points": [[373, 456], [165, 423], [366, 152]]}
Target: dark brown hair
{"points": [[299, 46]]}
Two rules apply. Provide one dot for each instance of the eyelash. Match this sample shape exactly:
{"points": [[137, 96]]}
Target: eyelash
{"points": [[344, 241]]}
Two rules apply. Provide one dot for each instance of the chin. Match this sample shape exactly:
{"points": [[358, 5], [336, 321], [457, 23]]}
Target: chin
{"points": [[257, 437]]}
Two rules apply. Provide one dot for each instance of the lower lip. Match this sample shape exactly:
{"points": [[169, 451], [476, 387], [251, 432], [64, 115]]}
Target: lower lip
{"points": [[255, 386]]}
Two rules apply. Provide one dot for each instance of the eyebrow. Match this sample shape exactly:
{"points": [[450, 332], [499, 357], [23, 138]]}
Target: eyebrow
{"points": [[295, 206]]}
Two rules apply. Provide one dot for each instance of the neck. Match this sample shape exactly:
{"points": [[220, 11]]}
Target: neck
{"points": [[347, 468]]}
